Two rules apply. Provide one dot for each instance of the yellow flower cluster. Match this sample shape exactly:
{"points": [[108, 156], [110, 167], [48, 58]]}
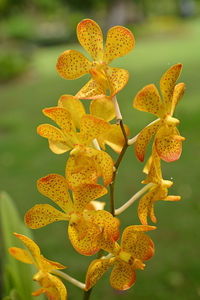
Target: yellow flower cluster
{"points": [[90, 227]]}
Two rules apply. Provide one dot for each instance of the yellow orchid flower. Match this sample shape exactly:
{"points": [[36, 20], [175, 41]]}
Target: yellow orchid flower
{"points": [[85, 163], [168, 141], [50, 284], [85, 226], [136, 247], [157, 192], [72, 64], [101, 108]]}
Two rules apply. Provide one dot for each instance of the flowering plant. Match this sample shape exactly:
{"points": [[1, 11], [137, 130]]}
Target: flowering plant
{"points": [[92, 229]]}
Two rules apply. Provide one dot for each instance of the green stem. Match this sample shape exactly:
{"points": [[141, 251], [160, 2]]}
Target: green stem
{"points": [[116, 166]]}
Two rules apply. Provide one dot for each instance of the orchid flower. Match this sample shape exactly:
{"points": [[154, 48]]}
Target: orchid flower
{"points": [[86, 227], [72, 64], [85, 163], [168, 141], [136, 247], [51, 285]]}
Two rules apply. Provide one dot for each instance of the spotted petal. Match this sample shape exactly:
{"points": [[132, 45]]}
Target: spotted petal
{"points": [[104, 164], [114, 138], [83, 194], [21, 255], [137, 243], [43, 214], [54, 186], [167, 85], [91, 90], [84, 242], [90, 37], [169, 147], [179, 91], [91, 127], [80, 170], [123, 276], [103, 108], [106, 221], [145, 206], [63, 118], [74, 106], [58, 147], [117, 79], [72, 64], [148, 100], [56, 290], [96, 270], [120, 41], [144, 138], [55, 136], [153, 168], [49, 265], [32, 247]]}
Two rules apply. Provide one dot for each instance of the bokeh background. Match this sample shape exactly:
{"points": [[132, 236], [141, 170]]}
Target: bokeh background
{"points": [[33, 33]]}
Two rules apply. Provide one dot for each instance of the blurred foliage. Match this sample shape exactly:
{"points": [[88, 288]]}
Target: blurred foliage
{"points": [[17, 277], [13, 63]]}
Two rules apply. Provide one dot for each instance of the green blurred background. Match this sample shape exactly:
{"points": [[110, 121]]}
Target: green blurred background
{"points": [[33, 33]]}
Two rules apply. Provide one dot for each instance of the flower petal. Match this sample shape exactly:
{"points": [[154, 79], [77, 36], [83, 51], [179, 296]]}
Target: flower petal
{"points": [[74, 106], [91, 127], [38, 292], [53, 287], [95, 205], [137, 243], [63, 118], [58, 147], [167, 84], [83, 194], [104, 163], [120, 41], [179, 91], [123, 276], [91, 90], [106, 221], [72, 64], [144, 138], [41, 215], [59, 292], [55, 136], [86, 243], [49, 265], [90, 37], [103, 108], [169, 147], [153, 168], [54, 186], [148, 100], [146, 205], [80, 170], [21, 255], [96, 270], [117, 79], [31, 245], [114, 138]]}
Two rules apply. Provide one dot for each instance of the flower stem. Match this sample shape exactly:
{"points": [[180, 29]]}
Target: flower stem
{"points": [[116, 166], [86, 294], [133, 199], [69, 278]]}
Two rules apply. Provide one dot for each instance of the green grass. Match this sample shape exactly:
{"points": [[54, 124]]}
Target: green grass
{"points": [[173, 272]]}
